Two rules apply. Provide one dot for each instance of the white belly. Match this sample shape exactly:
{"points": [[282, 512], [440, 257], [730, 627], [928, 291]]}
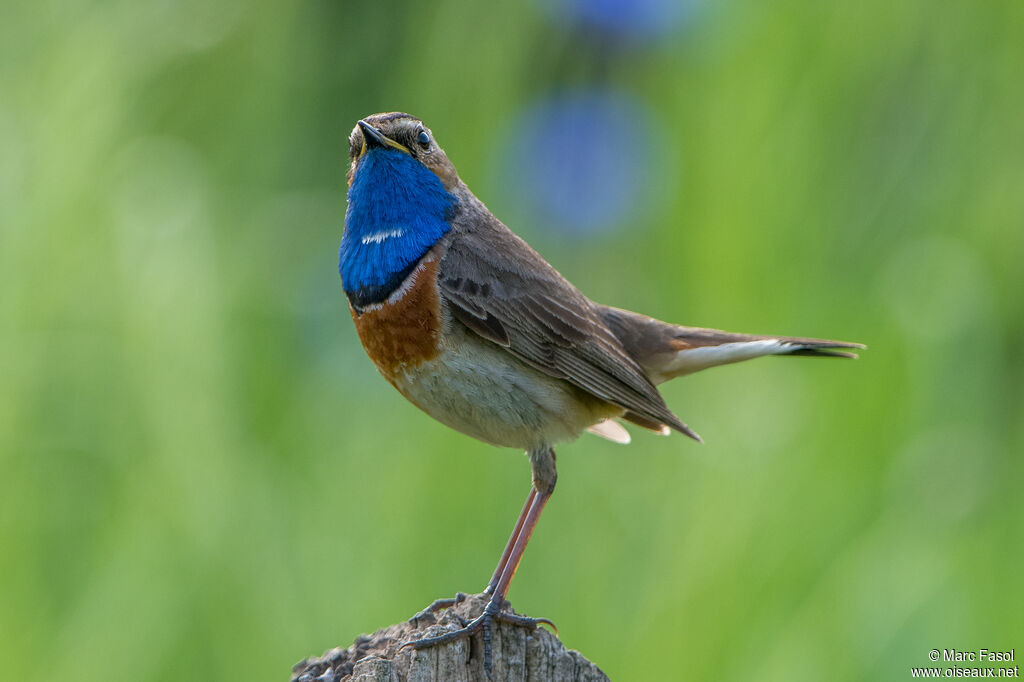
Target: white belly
{"points": [[482, 390]]}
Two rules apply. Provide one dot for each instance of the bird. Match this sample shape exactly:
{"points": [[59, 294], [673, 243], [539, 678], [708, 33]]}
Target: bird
{"points": [[477, 330]]}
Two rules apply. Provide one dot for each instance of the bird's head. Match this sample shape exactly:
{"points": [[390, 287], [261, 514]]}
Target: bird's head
{"points": [[404, 133]]}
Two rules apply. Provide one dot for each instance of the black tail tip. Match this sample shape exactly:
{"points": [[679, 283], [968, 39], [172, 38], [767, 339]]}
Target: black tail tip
{"points": [[686, 430], [824, 353]]}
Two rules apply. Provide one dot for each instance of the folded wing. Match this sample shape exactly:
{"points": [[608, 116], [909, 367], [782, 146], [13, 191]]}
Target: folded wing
{"points": [[501, 289]]}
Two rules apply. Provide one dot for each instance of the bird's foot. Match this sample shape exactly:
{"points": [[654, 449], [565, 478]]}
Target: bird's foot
{"points": [[440, 605], [482, 623]]}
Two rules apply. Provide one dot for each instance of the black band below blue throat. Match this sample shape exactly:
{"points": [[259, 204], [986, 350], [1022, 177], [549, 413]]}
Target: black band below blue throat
{"points": [[370, 294]]}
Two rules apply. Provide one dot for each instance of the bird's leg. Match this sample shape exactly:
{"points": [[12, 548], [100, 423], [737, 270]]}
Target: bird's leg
{"points": [[542, 462], [542, 466], [448, 602], [511, 543]]}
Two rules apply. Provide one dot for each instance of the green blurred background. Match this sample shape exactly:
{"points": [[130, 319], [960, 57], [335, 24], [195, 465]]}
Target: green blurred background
{"points": [[202, 476]]}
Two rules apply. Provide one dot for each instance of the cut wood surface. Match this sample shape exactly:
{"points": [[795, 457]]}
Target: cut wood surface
{"points": [[516, 654]]}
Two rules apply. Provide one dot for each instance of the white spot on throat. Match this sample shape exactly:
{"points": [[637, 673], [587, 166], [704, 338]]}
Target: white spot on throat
{"points": [[378, 237]]}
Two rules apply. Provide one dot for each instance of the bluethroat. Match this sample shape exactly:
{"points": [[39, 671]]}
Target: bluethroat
{"points": [[473, 327]]}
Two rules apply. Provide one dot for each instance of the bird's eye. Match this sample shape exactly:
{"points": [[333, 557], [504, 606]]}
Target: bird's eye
{"points": [[423, 138]]}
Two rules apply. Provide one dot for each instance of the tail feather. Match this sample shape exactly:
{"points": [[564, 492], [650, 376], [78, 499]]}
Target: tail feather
{"points": [[825, 352], [666, 351], [690, 357]]}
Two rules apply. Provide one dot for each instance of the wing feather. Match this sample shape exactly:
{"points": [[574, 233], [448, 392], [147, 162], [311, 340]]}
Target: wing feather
{"points": [[502, 290]]}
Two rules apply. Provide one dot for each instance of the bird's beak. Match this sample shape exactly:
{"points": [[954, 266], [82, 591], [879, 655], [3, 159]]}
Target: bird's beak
{"points": [[374, 138]]}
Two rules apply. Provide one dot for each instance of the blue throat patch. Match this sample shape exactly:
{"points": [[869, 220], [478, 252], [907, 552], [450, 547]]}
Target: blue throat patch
{"points": [[397, 210]]}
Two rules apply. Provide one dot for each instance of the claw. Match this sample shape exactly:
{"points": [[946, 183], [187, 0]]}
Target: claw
{"points": [[482, 622], [548, 623], [439, 605]]}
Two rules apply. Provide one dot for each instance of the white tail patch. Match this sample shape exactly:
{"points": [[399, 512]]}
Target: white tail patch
{"points": [[610, 430], [693, 360]]}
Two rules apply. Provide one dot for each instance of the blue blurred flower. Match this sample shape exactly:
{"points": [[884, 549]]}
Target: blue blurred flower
{"points": [[581, 160], [628, 19]]}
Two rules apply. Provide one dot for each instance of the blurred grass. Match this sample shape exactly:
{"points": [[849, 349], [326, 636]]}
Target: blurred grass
{"points": [[201, 475]]}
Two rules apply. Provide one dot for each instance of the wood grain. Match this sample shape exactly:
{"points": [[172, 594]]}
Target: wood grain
{"points": [[517, 654]]}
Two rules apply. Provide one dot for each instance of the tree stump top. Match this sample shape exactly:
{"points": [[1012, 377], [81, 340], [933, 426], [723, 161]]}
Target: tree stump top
{"points": [[516, 654]]}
